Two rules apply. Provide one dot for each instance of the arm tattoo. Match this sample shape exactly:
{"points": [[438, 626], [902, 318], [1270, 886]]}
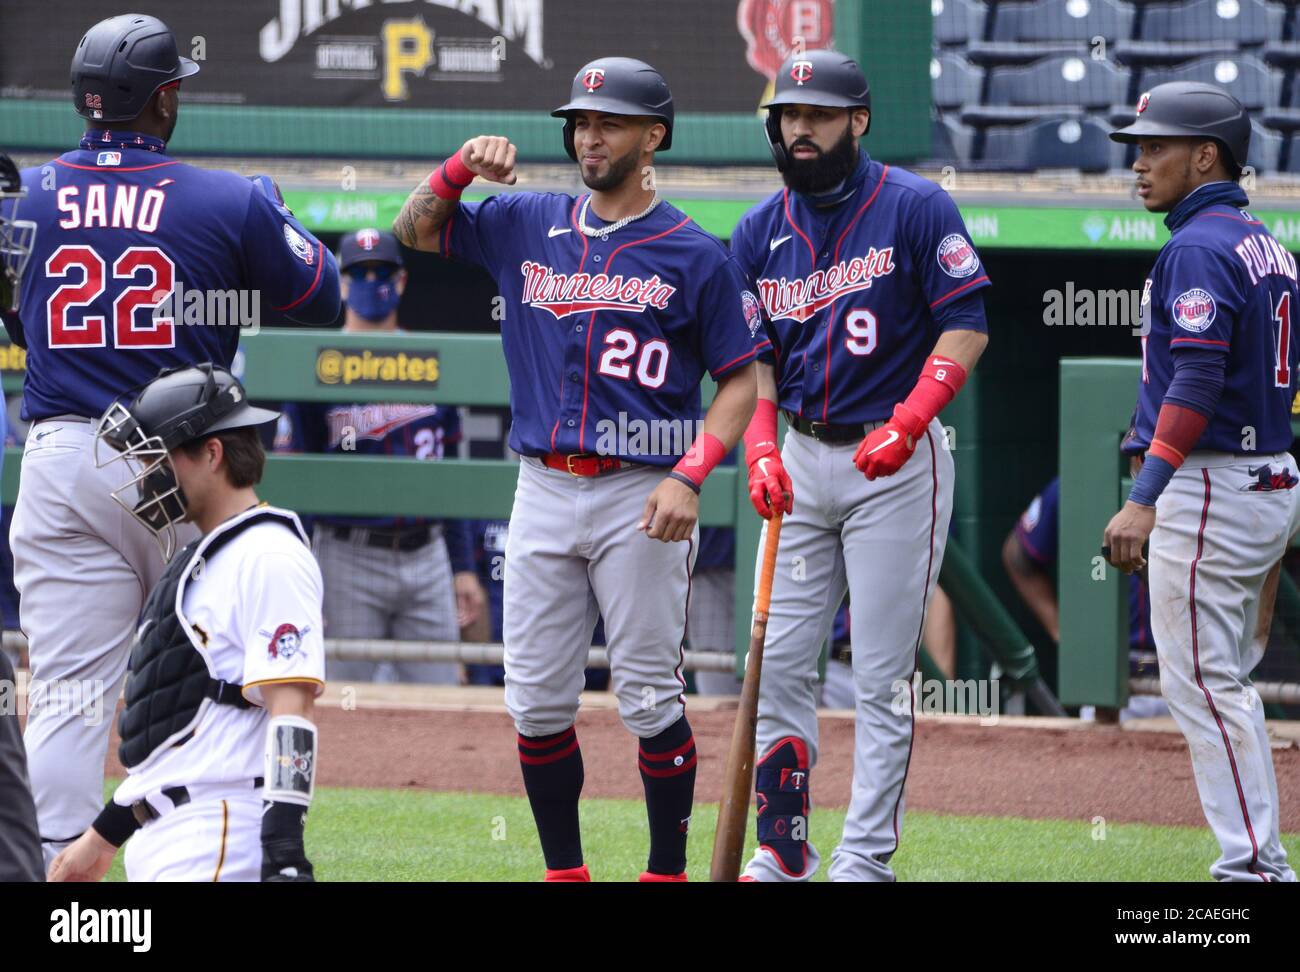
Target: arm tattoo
{"points": [[422, 216]]}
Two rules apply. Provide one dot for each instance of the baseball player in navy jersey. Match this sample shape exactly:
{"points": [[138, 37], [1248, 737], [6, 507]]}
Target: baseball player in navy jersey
{"points": [[870, 291], [616, 305], [1216, 495], [409, 578], [216, 734], [120, 226]]}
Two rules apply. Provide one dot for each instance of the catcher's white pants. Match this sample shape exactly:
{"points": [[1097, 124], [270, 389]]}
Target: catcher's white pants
{"points": [[1213, 545], [883, 542], [207, 840], [82, 566]]}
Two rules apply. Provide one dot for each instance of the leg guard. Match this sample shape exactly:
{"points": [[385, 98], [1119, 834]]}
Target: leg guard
{"points": [[783, 804]]}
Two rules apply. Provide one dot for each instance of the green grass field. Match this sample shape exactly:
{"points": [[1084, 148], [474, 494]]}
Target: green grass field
{"points": [[403, 835]]}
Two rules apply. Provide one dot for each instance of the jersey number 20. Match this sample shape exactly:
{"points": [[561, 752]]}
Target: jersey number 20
{"points": [[651, 363], [159, 275]]}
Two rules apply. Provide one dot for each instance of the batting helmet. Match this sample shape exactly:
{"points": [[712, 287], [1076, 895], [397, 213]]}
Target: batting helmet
{"points": [[120, 63], [618, 86], [1192, 109], [16, 239], [181, 404], [824, 78]]}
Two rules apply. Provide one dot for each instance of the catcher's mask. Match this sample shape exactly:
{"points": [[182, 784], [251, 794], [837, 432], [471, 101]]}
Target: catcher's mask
{"points": [[180, 405], [16, 235]]}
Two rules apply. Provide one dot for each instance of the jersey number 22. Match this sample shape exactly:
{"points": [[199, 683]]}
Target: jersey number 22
{"points": [[159, 278]]}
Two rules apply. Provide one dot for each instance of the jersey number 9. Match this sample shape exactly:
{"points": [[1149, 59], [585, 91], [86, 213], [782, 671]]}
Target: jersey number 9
{"points": [[861, 325]]}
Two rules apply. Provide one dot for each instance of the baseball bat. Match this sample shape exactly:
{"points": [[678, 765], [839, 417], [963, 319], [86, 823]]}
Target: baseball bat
{"points": [[738, 783]]}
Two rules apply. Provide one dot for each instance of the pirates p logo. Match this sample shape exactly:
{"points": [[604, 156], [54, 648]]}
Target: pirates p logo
{"points": [[593, 79], [802, 72]]}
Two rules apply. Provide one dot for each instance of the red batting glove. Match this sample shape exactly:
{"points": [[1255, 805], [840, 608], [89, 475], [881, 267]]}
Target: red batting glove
{"points": [[884, 451], [770, 489]]}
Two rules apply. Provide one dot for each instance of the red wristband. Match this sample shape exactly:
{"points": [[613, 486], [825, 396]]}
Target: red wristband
{"points": [[451, 178], [940, 381], [760, 435], [705, 453]]}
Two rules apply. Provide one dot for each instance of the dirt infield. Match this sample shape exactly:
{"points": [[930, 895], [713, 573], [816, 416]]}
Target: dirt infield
{"points": [[461, 740]]}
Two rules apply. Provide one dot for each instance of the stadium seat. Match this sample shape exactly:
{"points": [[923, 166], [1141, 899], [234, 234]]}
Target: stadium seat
{"points": [[1073, 80], [993, 53], [1243, 22], [1265, 148], [1073, 20], [1149, 53], [1063, 142], [953, 81], [984, 116], [958, 21], [1283, 119], [951, 141], [1246, 76], [1285, 54]]}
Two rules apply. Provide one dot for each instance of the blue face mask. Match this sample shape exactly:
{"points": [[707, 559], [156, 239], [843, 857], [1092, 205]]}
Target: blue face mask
{"points": [[373, 299]]}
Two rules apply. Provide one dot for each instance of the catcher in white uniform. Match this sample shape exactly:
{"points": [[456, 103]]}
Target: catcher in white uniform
{"points": [[216, 734]]}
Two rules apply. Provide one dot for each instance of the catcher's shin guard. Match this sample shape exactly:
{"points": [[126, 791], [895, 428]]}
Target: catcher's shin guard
{"points": [[781, 781]]}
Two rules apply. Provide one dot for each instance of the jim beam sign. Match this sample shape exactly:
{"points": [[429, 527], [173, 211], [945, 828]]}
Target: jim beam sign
{"points": [[408, 50]]}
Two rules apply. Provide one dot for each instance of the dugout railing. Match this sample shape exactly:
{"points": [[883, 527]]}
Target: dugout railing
{"points": [[280, 365], [1097, 396]]}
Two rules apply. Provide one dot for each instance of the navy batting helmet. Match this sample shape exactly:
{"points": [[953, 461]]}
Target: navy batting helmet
{"points": [[825, 78], [120, 63], [1195, 110], [618, 86]]}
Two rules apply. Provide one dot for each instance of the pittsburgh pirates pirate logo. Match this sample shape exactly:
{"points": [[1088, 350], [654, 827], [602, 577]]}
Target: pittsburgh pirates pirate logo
{"points": [[286, 641]]}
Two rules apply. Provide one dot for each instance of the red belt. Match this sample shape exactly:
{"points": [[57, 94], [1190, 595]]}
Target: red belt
{"points": [[583, 464]]}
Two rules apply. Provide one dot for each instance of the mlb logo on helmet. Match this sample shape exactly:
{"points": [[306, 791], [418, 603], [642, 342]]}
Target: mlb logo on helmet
{"points": [[801, 71], [593, 78], [957, 257], [1194, 310], [1142, 102], [368, 239]]}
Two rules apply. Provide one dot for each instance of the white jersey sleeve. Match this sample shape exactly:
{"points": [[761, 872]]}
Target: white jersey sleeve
{"points": [[279, 621]]}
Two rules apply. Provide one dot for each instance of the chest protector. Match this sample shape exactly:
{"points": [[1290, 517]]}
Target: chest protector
{"points": [[171, 683]]}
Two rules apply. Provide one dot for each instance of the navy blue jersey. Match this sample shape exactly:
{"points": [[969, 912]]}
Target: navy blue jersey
{"points": [[855, 295], [1037, 531], [603, 338], [118, 230], [1223, 283], [390, 429]]}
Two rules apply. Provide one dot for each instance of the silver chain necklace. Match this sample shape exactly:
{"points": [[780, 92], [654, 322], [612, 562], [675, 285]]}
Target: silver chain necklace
{"points": [[604, 231]]}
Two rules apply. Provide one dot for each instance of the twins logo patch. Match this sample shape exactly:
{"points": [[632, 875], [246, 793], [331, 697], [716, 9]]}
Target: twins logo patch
{"points": [[286, 642], [753, 316], [1194, 310], [299, 245], [957, 257], [109, 158]]}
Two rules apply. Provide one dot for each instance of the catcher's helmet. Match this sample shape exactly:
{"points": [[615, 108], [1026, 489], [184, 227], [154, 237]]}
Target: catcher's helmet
{"points": [[825, 78], [16, 239], [1191, 109], [181, 404], [618, 86], [120, 63]]}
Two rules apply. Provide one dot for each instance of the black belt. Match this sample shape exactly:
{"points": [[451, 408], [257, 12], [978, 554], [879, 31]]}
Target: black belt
{"points": [[144, 812], [842, 653], [829, 431], [404, 538]]}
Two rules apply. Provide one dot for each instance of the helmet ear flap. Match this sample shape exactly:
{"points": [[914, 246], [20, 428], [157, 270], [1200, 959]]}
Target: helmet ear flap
{"points": [[569, 147], [774, 139]]}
